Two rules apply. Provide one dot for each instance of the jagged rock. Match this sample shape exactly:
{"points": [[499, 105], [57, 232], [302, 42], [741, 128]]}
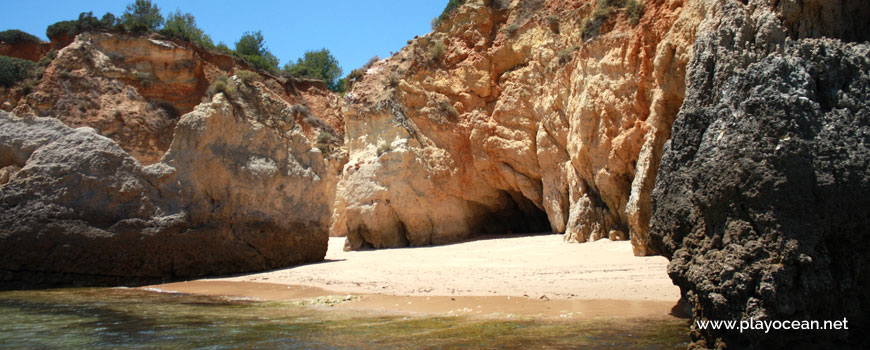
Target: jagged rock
{"points": [[133, 89], [762, 196], [240, 189], [498, 122]]}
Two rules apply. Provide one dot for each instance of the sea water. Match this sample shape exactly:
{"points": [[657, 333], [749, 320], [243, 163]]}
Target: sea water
{"points": [[125, 318]]}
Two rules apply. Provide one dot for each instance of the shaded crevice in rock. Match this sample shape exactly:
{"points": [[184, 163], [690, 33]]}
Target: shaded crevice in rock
{"points": [[839, 19]]}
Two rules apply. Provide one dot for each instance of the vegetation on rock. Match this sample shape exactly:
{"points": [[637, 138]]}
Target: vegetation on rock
{"points": [[182, 26], [319, 64], [15, 36], [85, 23], [604, 9], [247, 76], [221, 84], [14, 70], [142, 15], [451, 5], [252, 47]]}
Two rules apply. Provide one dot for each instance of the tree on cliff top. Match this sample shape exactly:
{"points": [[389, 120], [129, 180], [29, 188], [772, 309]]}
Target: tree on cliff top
{"points": [[252, 47], [182, 26], [15, 36], [142, 15], [85, 23], [318, 64]]}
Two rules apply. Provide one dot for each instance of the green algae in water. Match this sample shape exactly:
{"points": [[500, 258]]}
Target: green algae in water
{"points": [[101, 318]]}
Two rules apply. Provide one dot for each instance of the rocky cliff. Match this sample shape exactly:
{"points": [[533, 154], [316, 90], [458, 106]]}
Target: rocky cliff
{"points": [[530, 116], [104, 181], [241, 188], [762, 196], [729, 136], [555, 115], [134, 88]]}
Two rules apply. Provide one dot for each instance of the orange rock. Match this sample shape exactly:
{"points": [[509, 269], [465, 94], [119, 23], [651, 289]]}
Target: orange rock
{"points": [[497, 121]]}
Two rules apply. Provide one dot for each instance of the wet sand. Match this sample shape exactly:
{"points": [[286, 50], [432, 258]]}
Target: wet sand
{"points": [[528, 276]]}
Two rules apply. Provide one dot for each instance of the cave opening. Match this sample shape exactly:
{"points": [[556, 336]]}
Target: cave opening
{"points": [[518, 216]]}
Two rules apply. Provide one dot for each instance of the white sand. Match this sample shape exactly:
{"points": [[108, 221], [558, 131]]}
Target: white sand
{"points": [[533, 266]]}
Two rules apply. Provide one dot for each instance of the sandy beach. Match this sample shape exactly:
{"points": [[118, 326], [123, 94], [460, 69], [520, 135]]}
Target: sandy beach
{"points": [[508, 275]]}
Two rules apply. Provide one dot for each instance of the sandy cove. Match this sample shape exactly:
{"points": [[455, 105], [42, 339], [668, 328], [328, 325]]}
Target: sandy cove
{"points": [[492, 276]]}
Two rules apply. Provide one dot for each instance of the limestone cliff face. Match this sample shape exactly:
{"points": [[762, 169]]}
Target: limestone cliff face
{"points": [[134, 88], [762, 196], [241, 188], [506, 118]]}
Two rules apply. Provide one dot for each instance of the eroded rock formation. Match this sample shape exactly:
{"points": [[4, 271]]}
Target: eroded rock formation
{"points": [[762, 196], [511, 118], [242, 188], [134, 88]]}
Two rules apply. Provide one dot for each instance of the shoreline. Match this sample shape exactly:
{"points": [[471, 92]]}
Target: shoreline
{"points": [[502, 277], [487, 307]]}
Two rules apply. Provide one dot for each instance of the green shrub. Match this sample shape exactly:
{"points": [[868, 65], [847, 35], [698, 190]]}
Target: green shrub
{"points": [[223, 48], [86, 22], [145, 78], [28, 85], [325, 142], [635, 10], [109, 21], [60, 28], [565, 54], [446, 108], [221, 84], [341, 86], [252, 43], [319, 64], [252, 48], [182, 26], [247, 76], [600, 14], [141, 16], [511, 29], [451, 6], [436, 51], [267, 63], [46, 59], [357, 74], [324, 137], [604, 9], [15, 36], [394, 80], [14, 70]]}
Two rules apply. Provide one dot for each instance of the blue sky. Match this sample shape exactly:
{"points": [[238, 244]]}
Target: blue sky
{"points": [[353, 31]]}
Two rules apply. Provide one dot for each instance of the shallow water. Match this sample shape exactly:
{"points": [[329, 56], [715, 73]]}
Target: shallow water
{"points": [[110, 318]]}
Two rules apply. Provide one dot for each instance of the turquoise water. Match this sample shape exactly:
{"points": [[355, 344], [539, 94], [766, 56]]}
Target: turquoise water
{"points": [[112, 318]]}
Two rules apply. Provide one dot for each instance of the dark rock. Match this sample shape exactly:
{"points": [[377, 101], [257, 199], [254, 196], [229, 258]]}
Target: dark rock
{"points": [[762, 197]]}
